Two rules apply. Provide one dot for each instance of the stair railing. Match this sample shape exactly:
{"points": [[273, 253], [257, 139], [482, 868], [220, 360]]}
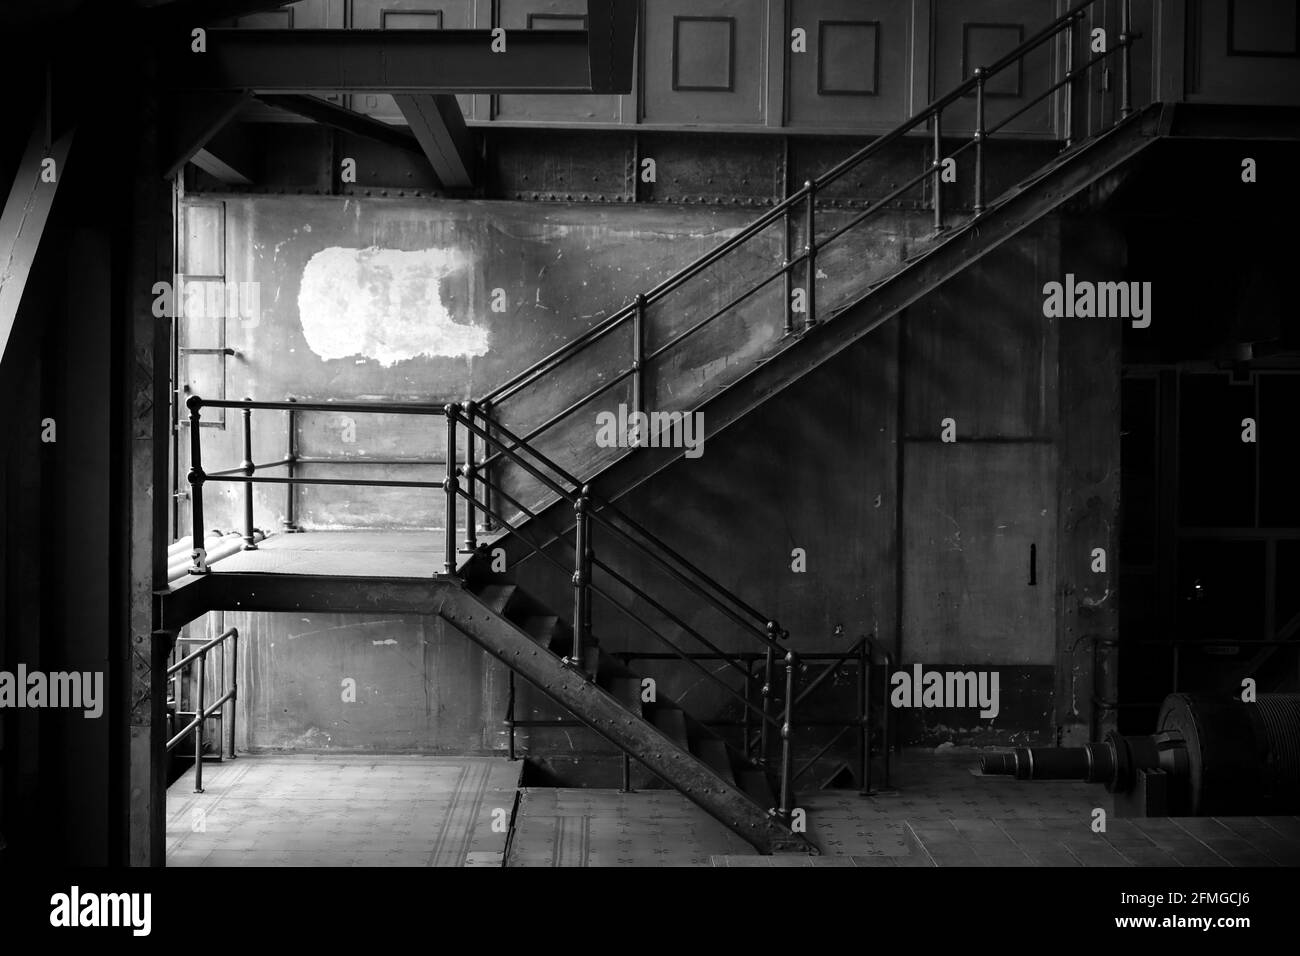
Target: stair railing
{"points": [[634, 317], [590, 513]]}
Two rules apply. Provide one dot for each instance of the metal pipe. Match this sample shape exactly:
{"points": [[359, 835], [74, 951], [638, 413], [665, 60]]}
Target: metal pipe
{"points": [[938, 172], [627, 773], [471, 503], [810, 254], [745, 718], [884, 722], [864, 720], [510, 714], [638, 355], [1068, 118], [581, 575], [787, 733], [489, 520], [234, 687], [290, 463], [198, 731], [450, 485], [979, 139], [1126, 58], [198, 558], [249, 469], [769, 665]]}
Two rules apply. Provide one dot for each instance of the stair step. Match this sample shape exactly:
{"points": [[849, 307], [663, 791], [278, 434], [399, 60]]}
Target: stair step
{"points": [[627, 691], [542, 628], [714, 753], [673, 723], [498, 597], [754, 783]]}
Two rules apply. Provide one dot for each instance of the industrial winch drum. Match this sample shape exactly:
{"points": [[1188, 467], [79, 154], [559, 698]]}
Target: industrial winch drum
{"points": [[1209, 756]]}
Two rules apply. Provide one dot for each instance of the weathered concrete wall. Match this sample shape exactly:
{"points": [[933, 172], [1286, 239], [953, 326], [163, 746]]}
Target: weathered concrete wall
{"points": [[921, 542]]}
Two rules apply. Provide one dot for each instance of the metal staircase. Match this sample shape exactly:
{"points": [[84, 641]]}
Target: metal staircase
{"points": [[531, 484]]}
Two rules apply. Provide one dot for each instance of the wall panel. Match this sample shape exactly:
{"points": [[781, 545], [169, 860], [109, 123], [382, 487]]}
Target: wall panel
{"points": [[705, 62], [552, 15], [1244, 52], [974, 33], [858, 67]]}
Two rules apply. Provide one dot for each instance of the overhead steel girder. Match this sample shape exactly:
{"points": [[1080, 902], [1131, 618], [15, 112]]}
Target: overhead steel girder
{"points": [[436, 121], [341, 118], [383, 61], [611, 25], [23, 220]]}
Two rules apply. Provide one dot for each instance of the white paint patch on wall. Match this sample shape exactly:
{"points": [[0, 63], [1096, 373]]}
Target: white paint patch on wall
{"points": [[383, 304]]}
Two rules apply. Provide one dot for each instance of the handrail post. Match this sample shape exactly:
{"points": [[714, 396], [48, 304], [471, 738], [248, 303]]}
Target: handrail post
{"points": [[581, 576], [234, 686], [471, 479], [811, 252], [1126, 57], [884, 721], [638, 355], [938, 171], [450, 485], [291, 462], [510, 715], [1068, 118], [864, 719], [980, 77], [198, 729], [198, 555], [787, 741], [769, 668], [489, 520], [249, 469], [746, 720], [588, 556]]}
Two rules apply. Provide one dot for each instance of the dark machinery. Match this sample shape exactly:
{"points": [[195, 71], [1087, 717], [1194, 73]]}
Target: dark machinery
{"points": [[1209, 756]]}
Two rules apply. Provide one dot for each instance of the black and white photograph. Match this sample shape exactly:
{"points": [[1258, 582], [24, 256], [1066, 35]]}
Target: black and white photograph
{"points": [[690, 434]]}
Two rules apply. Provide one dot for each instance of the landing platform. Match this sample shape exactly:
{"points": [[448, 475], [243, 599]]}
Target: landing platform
{"points": [[326, 571], [377, 554]]}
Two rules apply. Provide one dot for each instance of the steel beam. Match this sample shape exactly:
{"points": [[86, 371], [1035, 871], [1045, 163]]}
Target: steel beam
{"points": [[436, 121], [611, 40], [379, 61], [194, 13], [23, 220], [349, 121], [198, 120]]}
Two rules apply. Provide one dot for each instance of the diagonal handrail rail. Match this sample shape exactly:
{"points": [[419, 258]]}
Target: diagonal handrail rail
{"points": [[931, 111]]}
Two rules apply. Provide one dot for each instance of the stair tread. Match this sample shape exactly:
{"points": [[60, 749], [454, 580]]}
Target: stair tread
{"points": [[627, 691], [497, 596], [673, 723], [714, 753], [754, 783], [541, 628]]}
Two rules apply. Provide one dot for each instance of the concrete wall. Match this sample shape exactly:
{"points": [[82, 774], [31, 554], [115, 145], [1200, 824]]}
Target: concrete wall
{"points": [[923, 543]]}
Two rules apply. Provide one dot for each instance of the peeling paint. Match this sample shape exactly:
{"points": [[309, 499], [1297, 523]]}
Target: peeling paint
{"points": [[383, 304]]}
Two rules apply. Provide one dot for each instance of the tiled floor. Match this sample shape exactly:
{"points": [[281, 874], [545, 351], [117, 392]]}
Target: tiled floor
{"points": [[306, 810], [558, 827], [438, 811], [943, 814]]}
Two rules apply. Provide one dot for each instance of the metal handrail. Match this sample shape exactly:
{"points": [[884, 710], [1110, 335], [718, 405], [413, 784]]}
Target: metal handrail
{"points": [[675, 564], [203, 711], [932, 111]]}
